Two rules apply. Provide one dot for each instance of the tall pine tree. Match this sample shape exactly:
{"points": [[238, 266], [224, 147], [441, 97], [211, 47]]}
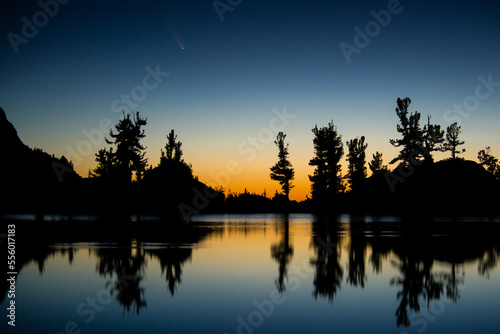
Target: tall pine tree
{"points": [[452, 141], [356, 157], [328, 150], [128, 157], [416, 143], [283, 171]]}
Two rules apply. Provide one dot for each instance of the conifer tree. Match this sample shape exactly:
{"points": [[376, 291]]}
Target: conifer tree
{"points": [[283, 171], [328, 150], [377, 164], [356, 157], [452, 141]]}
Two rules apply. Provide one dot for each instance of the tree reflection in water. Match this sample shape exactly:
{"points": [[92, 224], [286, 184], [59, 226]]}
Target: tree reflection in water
{"points": [[328, 274], [282, 252], [430, 265], [125, 265]]}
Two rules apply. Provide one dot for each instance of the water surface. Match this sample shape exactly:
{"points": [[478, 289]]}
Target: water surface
{"points": [[264, 274]]}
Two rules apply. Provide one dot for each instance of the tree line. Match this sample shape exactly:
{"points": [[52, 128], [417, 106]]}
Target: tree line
{"points": [[416, 143], [126, 162]]}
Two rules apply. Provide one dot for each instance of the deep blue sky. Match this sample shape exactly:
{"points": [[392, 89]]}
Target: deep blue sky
{"points": [[231, 74]]}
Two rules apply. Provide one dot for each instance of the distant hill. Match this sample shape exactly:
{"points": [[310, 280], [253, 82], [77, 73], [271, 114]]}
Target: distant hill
{"points": [[444, 188], [459, 187]]}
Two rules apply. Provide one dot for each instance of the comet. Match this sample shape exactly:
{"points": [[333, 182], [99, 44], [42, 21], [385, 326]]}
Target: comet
{"points": [[175, 35]]}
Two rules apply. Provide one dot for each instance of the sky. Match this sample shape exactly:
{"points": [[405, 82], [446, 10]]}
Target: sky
{"points": [[229, 75]]}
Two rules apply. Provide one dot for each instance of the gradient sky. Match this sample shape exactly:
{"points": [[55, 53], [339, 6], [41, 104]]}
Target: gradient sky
{"points": [[226, 77]]}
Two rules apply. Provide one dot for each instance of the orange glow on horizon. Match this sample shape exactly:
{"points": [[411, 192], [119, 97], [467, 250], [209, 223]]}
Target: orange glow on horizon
{"points": [[234, 173]]}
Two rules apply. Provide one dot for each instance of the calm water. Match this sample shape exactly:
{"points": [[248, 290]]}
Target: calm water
{"points": [[265, 274]]}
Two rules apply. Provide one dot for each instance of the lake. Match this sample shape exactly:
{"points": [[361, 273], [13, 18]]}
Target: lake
{"points": [[266, 273]]}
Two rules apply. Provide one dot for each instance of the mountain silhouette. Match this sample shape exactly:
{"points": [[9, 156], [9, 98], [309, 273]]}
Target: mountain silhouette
{"points": [[36, 182], [10, 143], [30, 181]]}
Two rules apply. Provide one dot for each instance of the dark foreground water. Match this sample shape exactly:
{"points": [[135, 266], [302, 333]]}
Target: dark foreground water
{"points": [[263, 274]]}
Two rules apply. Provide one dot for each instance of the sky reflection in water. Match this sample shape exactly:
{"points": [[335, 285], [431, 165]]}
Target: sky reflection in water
{"points": [[263, 274]]}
